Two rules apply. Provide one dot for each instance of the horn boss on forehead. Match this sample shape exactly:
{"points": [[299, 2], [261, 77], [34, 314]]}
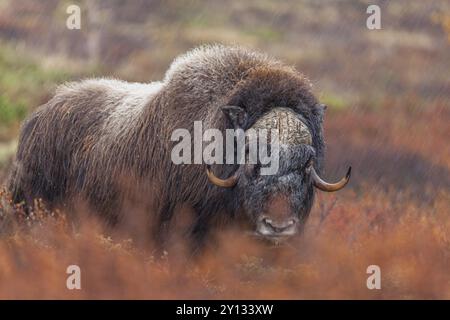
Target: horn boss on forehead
{"points": [[290, 128], [287, 125], [293, 131]]}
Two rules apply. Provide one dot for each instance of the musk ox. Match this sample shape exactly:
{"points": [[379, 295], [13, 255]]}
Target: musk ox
{"points": [[108, 142]]}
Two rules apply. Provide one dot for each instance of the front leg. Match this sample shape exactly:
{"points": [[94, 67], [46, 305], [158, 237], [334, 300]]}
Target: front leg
{"points": [[209, 214]]}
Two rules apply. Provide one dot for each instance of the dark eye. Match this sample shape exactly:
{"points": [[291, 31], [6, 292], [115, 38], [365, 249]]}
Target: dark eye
{"points": [[309, 165]]}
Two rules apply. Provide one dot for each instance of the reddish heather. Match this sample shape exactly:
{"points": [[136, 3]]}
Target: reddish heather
{"points": [[394, 214]]}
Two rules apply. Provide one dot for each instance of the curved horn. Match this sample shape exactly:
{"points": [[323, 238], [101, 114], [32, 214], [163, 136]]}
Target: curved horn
{"points": [[225, 183], [329, 187]]}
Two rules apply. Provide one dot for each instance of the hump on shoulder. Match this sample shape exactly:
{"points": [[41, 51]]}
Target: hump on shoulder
{"points": [[217, 61]]}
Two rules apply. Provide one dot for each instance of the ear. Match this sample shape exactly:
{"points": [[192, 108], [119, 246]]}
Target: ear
{"points": [[236, 115]]}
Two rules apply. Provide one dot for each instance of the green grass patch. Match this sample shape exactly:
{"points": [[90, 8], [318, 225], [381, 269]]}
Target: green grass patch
{"points": [[11, 112], [23, 79], [24, 84], [334, 102], [263, 33]]}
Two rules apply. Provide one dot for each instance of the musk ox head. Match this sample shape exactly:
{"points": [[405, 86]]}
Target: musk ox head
{"points": [[236, 88], [279, 203]]}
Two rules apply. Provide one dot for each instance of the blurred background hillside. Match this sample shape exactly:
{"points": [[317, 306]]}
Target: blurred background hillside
{"points": [[388, 90]]}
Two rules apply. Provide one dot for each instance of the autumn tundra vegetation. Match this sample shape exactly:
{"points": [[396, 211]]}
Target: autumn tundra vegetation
{"points": [[387, 93]]}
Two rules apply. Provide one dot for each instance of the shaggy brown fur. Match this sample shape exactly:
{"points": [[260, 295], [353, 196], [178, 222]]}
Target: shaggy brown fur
{"points": [[108, 141]]}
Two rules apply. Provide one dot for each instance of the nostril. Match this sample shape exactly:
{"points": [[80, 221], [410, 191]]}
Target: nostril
{"points": [[267, 221], [291, 222], [279, 227]]}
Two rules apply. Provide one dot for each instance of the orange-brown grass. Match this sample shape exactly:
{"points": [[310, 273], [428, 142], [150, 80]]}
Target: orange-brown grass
{"points": [[394, 214], [345, 235]]}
